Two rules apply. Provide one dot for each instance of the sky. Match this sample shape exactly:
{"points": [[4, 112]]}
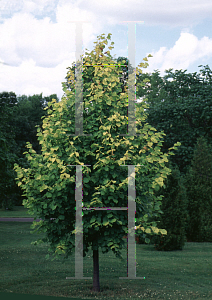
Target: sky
{"points": [[37, 37]]}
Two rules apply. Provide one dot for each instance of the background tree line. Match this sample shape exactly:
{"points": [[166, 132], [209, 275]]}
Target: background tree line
{"points": [[179, 105], [18, 117]]}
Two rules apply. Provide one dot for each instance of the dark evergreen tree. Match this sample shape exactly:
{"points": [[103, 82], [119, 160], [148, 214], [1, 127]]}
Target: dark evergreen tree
{"points": [[175, 216], [199, 192]]}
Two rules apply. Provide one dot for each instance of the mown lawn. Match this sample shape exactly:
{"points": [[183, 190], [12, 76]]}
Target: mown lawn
{"points": [[185, 274], [17, 212]]}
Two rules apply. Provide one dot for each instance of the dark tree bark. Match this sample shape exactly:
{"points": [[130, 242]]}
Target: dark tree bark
{"points": [[96, 287]]}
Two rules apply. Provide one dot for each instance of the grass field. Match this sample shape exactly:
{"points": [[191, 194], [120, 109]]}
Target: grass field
{"points": [[18, 212], [185, 274]]}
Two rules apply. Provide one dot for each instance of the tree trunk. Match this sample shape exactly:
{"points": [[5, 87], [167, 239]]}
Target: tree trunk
{"points": [[96, 287]]}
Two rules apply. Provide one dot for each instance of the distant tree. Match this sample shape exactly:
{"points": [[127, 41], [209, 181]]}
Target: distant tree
{"points": [[8, 156], [18, 118], [30, 110], [150, 88], [199, 191], [175, 218], [186, 112]]}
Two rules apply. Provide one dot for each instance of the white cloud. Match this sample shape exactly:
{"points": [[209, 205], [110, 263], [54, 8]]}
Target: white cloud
{"points": [[40, 49], [30, 79], [29, 6], [153, 12], [38, 7], [184, 53], [24, 37]]}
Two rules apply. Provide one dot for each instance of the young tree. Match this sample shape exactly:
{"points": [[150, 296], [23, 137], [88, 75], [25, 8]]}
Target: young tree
{"points": [[49, 183]]}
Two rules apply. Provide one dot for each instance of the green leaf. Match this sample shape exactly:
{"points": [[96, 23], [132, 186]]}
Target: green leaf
{"points": [[105, 222], [43, 187], [148, 230], [86, 179], [93, 219], [53, 206], [155, 229], [147, 240], [110, 215], [163, 231], [113, 220], [157, 207], [109, 244]]}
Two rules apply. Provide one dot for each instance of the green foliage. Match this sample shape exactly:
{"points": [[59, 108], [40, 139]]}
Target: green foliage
{"points": [[18, 118], [124, 68], [49, 183], [29, 111], [149, 87], [180, 105], [199, 191], [7, 146], [175, 216]]}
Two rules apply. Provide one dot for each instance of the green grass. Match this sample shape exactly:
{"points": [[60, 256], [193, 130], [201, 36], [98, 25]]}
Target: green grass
{"points": [[17, 212], [185, 274]]}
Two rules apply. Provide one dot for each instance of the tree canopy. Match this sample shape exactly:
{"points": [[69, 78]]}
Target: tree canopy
{"points": [[180, 104]]}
